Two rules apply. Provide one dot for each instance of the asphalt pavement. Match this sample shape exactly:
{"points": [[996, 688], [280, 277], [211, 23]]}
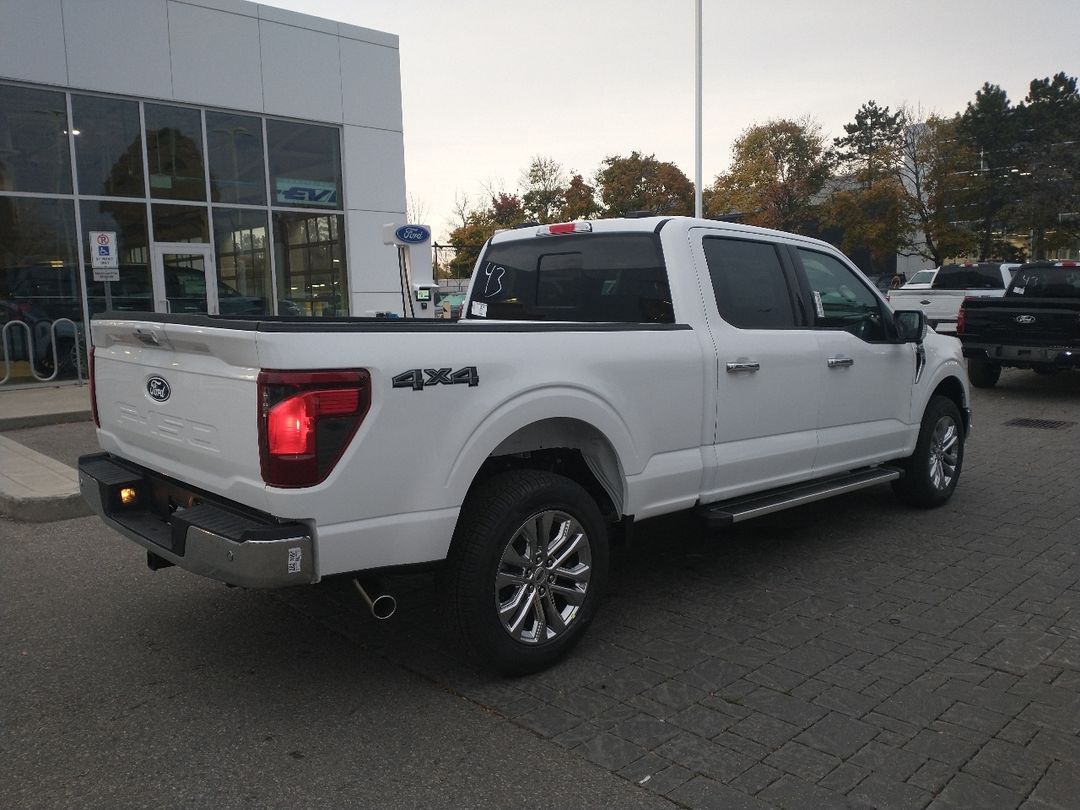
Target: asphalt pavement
{"points": [[851, 653]]}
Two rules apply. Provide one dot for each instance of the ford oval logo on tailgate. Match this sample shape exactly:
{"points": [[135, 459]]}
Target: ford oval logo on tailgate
{"points": [[1025, 319], [158, 389]]}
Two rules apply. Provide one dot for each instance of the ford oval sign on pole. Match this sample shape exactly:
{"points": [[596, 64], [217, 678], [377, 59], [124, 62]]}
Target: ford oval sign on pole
{"points": [[412, 234]]}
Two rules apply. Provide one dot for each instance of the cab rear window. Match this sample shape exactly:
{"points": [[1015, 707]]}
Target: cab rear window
{"points": [[592, 278], [1046, 282], [969, 277]]}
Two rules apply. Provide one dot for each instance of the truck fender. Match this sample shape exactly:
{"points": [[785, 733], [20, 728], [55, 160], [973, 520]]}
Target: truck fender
{"points": [[551, 417]]}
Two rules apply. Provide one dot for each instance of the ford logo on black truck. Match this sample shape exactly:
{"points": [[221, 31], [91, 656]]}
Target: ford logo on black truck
{"points": [[158, 389]]}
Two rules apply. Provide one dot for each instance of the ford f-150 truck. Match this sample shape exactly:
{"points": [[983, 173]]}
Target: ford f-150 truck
{"points": [[602, 372], [1035, 325], [951, 285]]}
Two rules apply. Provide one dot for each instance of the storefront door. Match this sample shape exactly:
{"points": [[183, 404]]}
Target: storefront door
{"points": [[185, 280]]}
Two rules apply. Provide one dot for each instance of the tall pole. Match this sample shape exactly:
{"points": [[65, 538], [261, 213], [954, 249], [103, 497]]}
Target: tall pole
{"points": [[698, 211]]}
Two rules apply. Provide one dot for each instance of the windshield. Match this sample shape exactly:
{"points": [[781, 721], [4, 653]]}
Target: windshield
{"points": [[1046, 282], [592, 278]]}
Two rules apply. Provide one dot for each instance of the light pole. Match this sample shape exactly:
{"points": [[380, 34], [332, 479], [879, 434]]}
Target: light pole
{"points": [[698, 211]]}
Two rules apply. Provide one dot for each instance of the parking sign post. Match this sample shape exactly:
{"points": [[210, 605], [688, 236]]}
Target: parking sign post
{"points": [[104, 261]]}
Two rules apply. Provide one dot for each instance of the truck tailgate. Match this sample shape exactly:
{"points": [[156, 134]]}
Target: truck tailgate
{"points": [[940, 306], [182, 400], [1030, 322]]}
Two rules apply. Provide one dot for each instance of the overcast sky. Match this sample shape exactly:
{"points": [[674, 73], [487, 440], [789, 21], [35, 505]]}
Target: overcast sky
{"points": [[488, 84]]}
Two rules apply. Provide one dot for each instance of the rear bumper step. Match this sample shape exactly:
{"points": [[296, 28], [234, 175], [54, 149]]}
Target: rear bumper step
{"points": [[727, 512], [204, 535]]}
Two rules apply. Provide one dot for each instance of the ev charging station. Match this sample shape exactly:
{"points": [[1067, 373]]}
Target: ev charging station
{"points": [[414, 264]]}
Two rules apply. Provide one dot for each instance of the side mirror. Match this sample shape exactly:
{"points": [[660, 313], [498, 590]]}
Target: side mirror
{"points": [[910, 325]]}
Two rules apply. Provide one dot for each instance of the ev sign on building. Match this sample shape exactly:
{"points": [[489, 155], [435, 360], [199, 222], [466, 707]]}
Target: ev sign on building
{"points": [[103, 258]]}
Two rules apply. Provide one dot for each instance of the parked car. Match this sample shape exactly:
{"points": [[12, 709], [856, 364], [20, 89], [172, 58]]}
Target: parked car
{"points": [[921, 280], [1035, 325], [951, 285], [603, 372]]}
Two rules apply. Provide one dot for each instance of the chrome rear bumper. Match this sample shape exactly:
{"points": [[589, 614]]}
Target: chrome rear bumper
{"points": [[202, 534]]}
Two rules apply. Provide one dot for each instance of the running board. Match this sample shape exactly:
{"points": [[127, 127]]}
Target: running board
{"points": [[727, 512]]}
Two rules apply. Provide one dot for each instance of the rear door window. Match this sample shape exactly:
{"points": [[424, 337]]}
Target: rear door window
{"points": [[592, 278], [749, 283]]}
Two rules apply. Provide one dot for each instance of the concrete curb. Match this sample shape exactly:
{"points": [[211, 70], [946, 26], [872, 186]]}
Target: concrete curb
{"points": [[40, 419], [45, 509], [35, 488]]}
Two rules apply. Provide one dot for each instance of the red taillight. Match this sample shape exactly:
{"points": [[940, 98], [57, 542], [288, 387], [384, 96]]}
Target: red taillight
{"points": [[306, 420], [93, 391], [961, 317]]}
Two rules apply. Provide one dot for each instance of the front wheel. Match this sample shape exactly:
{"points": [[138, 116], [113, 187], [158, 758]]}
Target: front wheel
{"points": [[933, 470], [526, 571]]}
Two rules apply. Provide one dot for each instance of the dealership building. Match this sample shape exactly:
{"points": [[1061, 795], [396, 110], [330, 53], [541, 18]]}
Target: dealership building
{"points": [[228, 157]]}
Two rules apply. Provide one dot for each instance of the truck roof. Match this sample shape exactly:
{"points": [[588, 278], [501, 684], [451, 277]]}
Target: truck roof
{"points": [[648, 225]]}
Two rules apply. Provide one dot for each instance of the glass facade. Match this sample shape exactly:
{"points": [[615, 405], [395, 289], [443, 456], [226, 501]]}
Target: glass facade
{"points": [[263, 193]]}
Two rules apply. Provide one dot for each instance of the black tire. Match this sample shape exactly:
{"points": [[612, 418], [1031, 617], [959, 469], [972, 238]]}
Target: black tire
{"points": [[492, 535], [933, 470], [983, 373]]}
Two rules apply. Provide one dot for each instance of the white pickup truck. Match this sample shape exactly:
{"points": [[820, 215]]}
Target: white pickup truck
{"points": [[951, 285], [603, 372]]}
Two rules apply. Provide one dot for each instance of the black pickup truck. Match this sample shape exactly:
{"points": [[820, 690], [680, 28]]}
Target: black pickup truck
{"points": [[1035, 325]]}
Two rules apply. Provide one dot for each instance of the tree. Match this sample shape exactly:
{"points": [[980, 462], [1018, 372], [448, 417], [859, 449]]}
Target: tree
{"points": [[579, 201], [643, 183], [990, 127], [931, 171], [872, 147], [415, 210], [867, 208], [477, 225], [777, 168], [543, 187], [1048, 182], [870, 221]]}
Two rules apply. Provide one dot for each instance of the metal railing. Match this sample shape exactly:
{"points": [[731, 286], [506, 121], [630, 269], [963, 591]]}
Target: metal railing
{"points": [[72, 342]]}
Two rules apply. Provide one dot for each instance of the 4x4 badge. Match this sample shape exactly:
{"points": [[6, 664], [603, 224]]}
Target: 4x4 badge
{"points": [[414, 377]]}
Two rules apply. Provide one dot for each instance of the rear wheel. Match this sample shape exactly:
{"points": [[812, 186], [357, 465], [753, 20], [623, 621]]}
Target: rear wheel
{"points": [[527, 570], [933, 470], [983, 373]]}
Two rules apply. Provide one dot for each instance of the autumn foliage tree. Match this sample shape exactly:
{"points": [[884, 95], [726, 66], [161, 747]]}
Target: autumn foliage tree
{"points": [[931, 171], [643, 183], [478, 224], [776, 170], [868, 203]]}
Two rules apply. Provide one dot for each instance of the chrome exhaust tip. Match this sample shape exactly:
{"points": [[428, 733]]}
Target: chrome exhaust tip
{"points": [[382, 607]]}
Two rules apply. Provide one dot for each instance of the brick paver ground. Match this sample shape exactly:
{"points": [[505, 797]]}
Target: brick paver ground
{"points": [[850, 653]]}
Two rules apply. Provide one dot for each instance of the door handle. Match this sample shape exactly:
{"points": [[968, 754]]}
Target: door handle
{"points": [[840, 362], [735, 368]]}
